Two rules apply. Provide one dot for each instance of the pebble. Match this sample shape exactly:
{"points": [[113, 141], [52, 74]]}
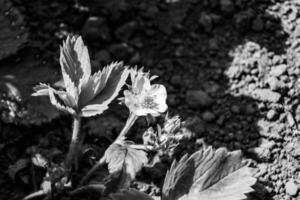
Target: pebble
{"points": [[176, 80], [227, 6], [258, 24], [291, 188], [198, 99], [121, 51], [278, 70], [290, 119], [260, 153], [208, 116], [126, 31], [266, 95], [293, 148], [206, 22], [272, 115], [274, 83], [103, 57], [235, 109], [95, 30]]}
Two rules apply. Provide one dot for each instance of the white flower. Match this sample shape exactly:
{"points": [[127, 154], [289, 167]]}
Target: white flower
{"points": [[142, 98]]}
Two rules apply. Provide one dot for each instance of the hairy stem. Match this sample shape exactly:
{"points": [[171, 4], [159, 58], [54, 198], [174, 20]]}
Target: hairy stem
{"points": [[74, 143], [130, 121], [100, 163]]}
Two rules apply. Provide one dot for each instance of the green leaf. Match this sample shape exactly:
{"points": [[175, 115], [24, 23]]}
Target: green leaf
{"points": [[41, 90], [56, 102], [130, 194], [75, 63], [92, 110], [104, 86], [209, 174], [123, 158]]}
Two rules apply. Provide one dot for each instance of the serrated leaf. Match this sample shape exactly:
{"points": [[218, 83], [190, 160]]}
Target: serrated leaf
{"points": [[209, 174], [75, 63], [92, 110], [104, 86], [124, 158], [130, 194], [12, 31], [55, 102], [113, 86]]}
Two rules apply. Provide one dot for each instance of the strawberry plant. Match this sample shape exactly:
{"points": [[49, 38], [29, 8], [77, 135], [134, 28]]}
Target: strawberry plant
{"points": [[206, 174]]}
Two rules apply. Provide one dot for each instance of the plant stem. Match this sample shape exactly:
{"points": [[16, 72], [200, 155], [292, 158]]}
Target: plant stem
{"points": [[93, 170], [130, 121], [74, 143]]}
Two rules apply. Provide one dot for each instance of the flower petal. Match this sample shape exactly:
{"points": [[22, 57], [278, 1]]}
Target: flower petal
{"points": [[159, 91], [146, 111], [161, 108]]}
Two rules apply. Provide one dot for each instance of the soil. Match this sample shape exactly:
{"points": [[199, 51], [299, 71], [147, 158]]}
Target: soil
{"points": [[231, 69]]}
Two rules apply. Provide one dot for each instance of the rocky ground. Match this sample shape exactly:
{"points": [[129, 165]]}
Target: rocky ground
{"points": [[231, 68]]}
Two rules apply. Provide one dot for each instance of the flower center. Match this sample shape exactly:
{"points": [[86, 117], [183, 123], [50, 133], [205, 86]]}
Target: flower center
{"points": [[149, 102]]}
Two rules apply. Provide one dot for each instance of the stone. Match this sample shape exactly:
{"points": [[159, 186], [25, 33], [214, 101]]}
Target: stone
{"points": [[121, 51], [260, 153], [208, 116], [258, 24], [274, 83], [291, 188], [126, 31], [293, 148], [242, 20], [266, 95], [272, 115], [235, 109], [290, 119], [95, 30], [227, 6], [103, 57], [278, 70], [176, 80], [206, 22], [297, 31], [198, 99]]}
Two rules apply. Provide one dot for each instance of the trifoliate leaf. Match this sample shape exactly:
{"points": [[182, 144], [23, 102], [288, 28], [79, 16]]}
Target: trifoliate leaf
{"points": [[122, 157], [75, 62], [12, 31], [130, 194], [209, 174]]}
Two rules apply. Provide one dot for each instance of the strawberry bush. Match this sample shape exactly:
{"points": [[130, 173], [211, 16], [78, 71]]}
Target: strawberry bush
{"points": [[206, 174]]}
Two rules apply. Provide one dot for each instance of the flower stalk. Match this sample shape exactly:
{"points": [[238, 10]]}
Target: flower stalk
{"points": [[120, 139], [130, 121]]}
